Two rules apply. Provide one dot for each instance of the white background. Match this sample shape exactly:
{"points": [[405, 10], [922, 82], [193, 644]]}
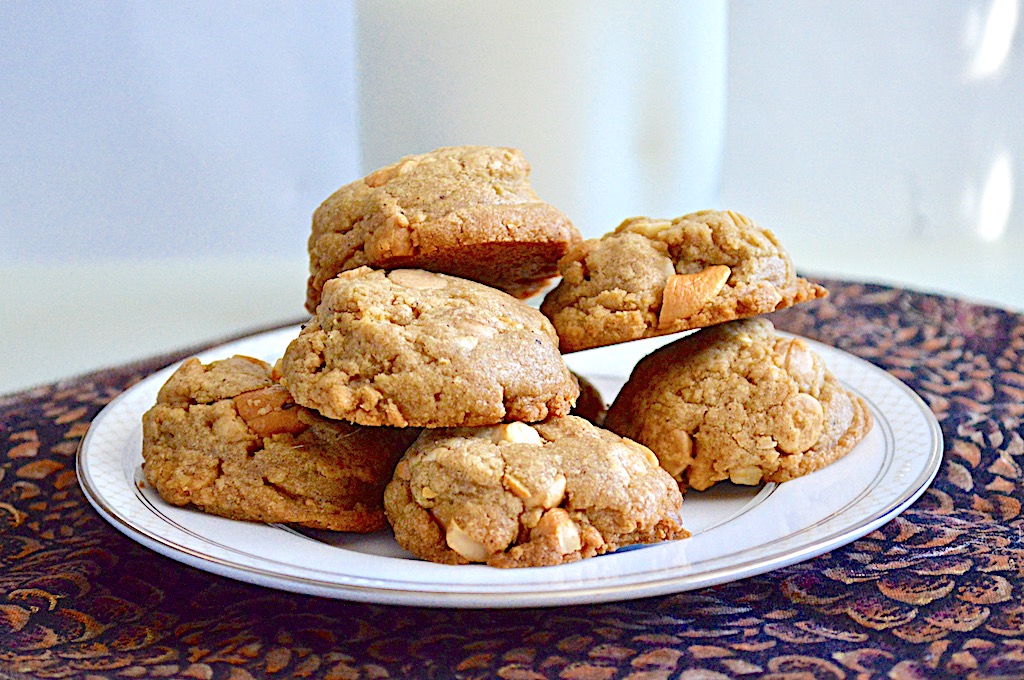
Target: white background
{"points": [[159, 162]]}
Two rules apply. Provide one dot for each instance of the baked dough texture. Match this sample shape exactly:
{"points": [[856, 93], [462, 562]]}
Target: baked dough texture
{"points": [[518, 495], [654, 277], [226, 438], [738, 402], [468, 211], [415, 348]]}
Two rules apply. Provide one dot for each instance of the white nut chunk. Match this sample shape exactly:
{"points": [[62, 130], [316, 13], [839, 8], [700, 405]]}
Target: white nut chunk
{"points": [[644, 226], [462, 543], [803, 421], [474, 327], [269, 411], [748, 475], [467, 342], [379, 178], [516, 486], [423, 495], [550, 497], [473, 330], [557, 525], [515, 433], [798, 360], [677, 453], [417, 278], [687, 294]]}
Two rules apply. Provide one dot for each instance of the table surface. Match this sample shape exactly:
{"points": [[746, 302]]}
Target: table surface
{"points": [[937, 592]]}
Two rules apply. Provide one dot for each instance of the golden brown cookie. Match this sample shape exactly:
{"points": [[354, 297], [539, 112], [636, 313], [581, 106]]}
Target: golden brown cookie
{"points": [[467, 211], [226, 438], [414, 348], [518, 495], [738, 402], [654, 277]]}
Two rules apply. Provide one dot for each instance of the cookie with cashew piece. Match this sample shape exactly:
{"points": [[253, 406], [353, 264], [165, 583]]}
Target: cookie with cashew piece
{"points": [[226, 438], [654, 277], [518, 495], [739, 402], [468, 211], [411, 348]]}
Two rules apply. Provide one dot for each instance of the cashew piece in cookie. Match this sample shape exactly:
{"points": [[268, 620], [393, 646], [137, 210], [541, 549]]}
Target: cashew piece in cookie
{"points": [[749, 476], [687, 294], [515, 433], [462, 543], [677, 455], [643, 226], [557, 524], [517, 487], [379, 178], [803, 423], [550, 497], [799, 362], [417, 278], [269, 411]]}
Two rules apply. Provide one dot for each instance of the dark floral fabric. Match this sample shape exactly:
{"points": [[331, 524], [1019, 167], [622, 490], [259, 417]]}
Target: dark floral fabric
{"points": [[937, 592]]}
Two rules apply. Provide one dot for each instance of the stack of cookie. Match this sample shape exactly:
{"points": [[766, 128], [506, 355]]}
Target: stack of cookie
{"points": [[426, 393], [732, 401]]}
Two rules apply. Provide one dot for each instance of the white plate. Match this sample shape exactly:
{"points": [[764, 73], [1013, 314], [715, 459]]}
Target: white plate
{"points": [[737, 531]]}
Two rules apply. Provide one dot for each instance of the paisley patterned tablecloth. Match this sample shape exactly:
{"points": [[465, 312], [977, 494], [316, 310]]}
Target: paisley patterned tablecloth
{"points": [[937, 592]]}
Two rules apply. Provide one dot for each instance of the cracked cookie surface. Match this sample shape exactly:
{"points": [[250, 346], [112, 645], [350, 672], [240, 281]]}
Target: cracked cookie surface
{"points": [[738, 402], [654, 277], [414, 348], [519, 495], [228, 439], [468, 211]]}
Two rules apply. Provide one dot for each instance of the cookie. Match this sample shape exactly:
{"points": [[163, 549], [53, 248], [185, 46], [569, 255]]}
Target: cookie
{"points": [[738, 402], [467, 211], [518, 495], [414, 348], [655, 277], [227, 439]]}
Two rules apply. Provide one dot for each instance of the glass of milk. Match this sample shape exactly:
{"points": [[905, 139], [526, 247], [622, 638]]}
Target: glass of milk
{"points": [[619, 107]]}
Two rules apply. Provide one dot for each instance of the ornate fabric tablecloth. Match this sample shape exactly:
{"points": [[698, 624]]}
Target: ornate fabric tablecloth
{"points": [[937, 592]]}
